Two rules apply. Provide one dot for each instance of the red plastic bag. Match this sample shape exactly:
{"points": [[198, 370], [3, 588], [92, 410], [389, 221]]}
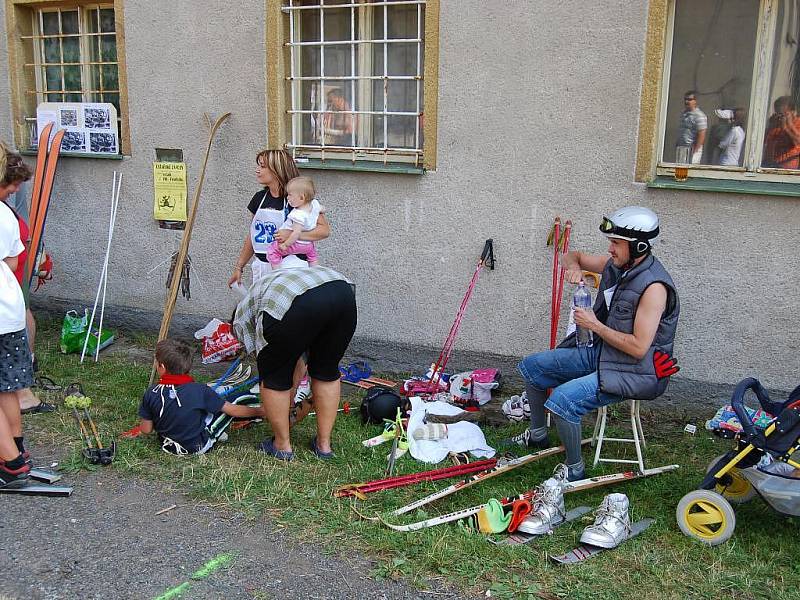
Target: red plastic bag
{"points": [[218, 342]]}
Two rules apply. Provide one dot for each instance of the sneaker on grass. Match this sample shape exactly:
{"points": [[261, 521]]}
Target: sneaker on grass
{"points": [[525, 440]]}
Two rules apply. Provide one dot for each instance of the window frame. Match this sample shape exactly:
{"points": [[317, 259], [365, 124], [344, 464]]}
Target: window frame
{"points": [[650, 164], [278, 98], [20, 15]]}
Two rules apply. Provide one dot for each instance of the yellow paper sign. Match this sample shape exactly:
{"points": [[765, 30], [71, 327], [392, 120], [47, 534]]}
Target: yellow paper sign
{"points": [[169, 180]]}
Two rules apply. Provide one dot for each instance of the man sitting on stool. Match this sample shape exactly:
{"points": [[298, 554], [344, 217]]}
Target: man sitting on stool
{"points": [[634, 316]]}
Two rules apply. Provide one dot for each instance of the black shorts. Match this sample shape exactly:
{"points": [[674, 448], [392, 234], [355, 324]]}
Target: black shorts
{"points": [[321, 321]]}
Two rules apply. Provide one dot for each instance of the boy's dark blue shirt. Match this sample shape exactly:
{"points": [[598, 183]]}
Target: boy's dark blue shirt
{"points": [[179, 412]]}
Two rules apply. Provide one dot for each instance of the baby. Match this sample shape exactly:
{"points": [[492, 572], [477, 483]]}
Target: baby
{"points": [[303, 217]]}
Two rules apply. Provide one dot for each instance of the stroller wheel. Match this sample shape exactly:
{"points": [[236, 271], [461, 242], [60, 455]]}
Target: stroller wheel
{"points": [[706, 516], [736, 488]]}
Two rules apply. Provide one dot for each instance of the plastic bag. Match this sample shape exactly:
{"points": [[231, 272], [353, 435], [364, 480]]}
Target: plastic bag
{"points": [[73, 334], [218, 342], [473, 387]]}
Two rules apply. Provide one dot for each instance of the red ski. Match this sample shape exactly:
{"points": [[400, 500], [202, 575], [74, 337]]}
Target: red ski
{"points": [[40, 203]]}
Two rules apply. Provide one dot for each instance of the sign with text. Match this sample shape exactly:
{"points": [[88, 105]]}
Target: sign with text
{"points": [[169, 183]]}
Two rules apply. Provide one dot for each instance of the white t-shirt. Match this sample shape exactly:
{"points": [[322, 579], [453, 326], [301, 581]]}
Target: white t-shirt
{"points": [[731, 147], [308, 219], [12, 303]]}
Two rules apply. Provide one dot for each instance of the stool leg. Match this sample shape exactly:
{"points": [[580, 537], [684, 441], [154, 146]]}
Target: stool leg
{"points": [[635, 427], [639, 424], [601, 422]]}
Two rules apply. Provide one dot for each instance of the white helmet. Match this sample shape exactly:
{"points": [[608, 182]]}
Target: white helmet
{"points": [[636, 224]]}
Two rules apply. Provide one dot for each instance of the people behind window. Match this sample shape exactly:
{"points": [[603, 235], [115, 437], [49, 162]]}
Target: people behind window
{"points": [[782, 139], [732, 141], [338, 122], [691, 130]]}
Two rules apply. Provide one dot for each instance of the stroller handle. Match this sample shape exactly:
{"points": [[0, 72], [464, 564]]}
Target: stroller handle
{"points": [[737, 401]]}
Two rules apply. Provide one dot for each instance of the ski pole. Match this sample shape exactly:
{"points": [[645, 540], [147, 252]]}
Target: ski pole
{"points": [[114, 207], [561, 248], [102, 274], [553, 238], [228, 371], [82, 428], [94, 428]]}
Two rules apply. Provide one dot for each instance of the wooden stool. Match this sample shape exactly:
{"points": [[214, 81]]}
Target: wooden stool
{"points": [[599, 436]]}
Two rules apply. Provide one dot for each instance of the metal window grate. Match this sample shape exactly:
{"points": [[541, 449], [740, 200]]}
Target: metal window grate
{"points": [[355, 79], [74, 51]]}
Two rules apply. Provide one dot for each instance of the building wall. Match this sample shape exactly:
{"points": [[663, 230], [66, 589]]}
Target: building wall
{"points": [[538, 114]]}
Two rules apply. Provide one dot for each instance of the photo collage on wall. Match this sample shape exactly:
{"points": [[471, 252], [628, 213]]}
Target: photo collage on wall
{"points": [[90, 128]]}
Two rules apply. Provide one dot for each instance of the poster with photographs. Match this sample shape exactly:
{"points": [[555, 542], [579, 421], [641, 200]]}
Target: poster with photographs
{"points": [[90, 127]]}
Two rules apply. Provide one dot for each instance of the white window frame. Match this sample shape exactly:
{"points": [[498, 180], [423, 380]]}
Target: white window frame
{"points": [[360, 84], [757, 113]]}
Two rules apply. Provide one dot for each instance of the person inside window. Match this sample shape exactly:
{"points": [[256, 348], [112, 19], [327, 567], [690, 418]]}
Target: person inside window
{"points": [[730, 146], [338, 123], [692, 129], [782, 140]]}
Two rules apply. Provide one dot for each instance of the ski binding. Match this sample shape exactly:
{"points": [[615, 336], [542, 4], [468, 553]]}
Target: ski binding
{"points": [[585, 551], [519, 537]]}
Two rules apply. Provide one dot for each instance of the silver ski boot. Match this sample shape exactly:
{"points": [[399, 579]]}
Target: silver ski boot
{"points": [[548, 504], [612, 524]]}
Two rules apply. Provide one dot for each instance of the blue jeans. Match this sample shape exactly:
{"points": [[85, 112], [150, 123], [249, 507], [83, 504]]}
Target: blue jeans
{"points": [[572, 373]]}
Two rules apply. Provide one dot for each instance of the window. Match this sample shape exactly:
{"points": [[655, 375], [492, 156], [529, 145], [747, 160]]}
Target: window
{"points": [[355, 82], [65, 53], [730, 89]]}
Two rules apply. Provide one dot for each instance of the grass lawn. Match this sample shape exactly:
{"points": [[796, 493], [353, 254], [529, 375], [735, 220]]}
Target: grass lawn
{"points": [[760, 561]]}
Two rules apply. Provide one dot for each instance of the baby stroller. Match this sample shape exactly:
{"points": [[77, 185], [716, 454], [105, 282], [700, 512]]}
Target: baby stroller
{"points": [[706, 514]]}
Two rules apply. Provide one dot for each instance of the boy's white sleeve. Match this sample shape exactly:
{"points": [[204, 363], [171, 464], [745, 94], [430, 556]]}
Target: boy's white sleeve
{"points": [[10, 243]]}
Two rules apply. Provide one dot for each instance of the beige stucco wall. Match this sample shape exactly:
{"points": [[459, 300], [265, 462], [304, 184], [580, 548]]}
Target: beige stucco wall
{"points": [[538, 114]]}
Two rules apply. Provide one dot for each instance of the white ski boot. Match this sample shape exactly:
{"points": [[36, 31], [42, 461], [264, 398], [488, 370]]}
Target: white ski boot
{"points": [[548, 504], [612, 524]]}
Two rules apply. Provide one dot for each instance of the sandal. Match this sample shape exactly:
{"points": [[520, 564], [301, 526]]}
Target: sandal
{"points": [[42, 407], [320, 454], [268, 447]]}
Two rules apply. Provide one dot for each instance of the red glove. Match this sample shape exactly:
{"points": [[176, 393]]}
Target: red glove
{"points": [[665, 364], [134, 432]]}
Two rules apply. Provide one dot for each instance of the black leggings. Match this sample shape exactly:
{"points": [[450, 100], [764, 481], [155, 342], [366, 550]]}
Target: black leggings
{"points": [[321, 321]]}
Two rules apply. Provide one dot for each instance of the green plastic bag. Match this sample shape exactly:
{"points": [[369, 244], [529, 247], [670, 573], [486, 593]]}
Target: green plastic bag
{"points": [[73, 334]]}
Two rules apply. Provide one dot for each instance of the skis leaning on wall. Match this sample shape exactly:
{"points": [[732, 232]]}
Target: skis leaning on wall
{"points": [[46, 164]]}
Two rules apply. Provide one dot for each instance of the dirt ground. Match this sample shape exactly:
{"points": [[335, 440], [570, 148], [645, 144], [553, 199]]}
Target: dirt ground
{"points": [[106, 541]]}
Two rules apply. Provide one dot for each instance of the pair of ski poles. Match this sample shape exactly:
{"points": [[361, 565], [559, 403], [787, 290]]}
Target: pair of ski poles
{"points": [[559, 239], [103, 285], [93, 448]]}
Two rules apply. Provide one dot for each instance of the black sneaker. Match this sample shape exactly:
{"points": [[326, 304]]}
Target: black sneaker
{"points": [[14, 478], [524, 440]]}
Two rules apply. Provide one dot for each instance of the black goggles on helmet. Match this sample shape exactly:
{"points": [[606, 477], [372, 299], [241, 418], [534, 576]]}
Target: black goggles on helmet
{"points": [[608, 227]]}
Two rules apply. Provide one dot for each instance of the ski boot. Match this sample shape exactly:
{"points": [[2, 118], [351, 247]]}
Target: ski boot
{"points": [[612, 524], [548, 504]]}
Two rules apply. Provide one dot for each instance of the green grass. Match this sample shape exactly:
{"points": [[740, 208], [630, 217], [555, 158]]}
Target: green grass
{"points": [[759, 562]]}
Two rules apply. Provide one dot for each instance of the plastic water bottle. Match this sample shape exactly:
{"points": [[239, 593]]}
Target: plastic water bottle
{"points": [[582, 299]]}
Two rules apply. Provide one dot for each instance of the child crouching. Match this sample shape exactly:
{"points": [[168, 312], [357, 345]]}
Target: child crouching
{"points": [[179, 409]]}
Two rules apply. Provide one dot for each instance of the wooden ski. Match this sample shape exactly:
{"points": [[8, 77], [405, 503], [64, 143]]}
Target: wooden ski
{"points": [[37, 225], [172, 296], [38, 174]]}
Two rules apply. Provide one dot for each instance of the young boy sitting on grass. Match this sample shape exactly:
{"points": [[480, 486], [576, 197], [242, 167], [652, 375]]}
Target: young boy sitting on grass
{"points": [[179, 409]]}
